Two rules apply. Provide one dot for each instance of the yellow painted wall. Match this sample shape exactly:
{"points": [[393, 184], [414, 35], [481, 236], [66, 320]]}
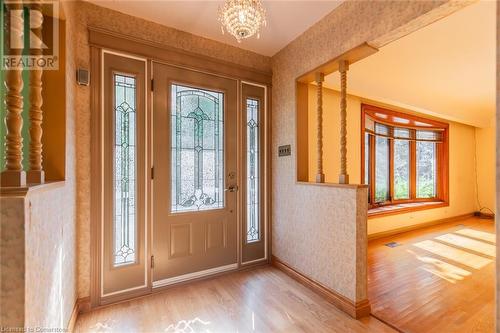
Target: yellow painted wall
{"points": [[462, 170]]}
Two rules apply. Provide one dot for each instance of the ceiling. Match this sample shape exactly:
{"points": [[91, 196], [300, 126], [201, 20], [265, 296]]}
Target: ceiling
{"points": [[285, 19], [446, 69]]}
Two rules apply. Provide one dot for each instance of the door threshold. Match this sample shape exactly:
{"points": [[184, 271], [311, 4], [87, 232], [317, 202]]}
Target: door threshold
{"points": [[194, 275]]}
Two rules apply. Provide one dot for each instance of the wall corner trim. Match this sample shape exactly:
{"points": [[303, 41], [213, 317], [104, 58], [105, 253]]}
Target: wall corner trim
{"points": [[81, 305], [356, 310]]}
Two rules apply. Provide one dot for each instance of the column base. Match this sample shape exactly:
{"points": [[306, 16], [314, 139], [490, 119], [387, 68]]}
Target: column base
{"points": [[344, 179], [320, 178], [35, 177], [13, 178]]}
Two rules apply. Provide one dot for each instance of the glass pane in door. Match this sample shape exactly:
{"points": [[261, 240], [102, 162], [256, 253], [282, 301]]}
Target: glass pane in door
{"points": [[197, 149], [124, 169], [253, 171]]}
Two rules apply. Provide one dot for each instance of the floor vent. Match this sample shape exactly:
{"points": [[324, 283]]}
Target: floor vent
{"points": [[392, 244]]}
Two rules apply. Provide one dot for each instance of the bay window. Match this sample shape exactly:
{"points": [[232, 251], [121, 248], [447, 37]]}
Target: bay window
{"points": [[405, 158]]}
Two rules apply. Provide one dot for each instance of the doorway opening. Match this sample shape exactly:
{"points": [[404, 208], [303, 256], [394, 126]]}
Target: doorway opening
{"points": [[181, 174]]}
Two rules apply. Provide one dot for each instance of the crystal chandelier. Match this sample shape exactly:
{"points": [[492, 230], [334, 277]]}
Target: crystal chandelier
{"points": [[242, 18]]}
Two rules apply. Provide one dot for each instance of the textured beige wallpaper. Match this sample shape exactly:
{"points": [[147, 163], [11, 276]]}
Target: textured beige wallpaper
{"points": [[306, 216], [86, 14], [12, 282], [38, 270], [50, 259]]}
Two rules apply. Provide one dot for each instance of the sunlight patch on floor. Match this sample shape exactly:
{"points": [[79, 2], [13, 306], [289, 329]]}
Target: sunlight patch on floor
{"points": [[189, 326], [442, 269], [457, 255], [100, 327], [469, 244], [483, 235]]}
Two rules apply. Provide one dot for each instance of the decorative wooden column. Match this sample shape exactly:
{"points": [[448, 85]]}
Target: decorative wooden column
{"points": [[320, 176], [36, 174], [14, 174], [343, 177]]}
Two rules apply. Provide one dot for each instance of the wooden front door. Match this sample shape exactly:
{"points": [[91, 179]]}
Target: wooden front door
{"points": [[195, 188]]}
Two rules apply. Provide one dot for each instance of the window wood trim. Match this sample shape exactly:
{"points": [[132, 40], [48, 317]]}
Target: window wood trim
{"points": [[442, 167]]}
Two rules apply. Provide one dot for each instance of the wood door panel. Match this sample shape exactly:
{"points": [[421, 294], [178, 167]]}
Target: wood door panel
{"points": [[181, 240], [216, 237]]}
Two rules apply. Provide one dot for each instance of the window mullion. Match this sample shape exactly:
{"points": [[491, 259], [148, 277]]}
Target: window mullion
{"points": [[391, 170], [372, 168], [413, 169]]}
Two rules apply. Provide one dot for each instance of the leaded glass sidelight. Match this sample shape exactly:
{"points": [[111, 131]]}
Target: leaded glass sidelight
{"points": [[252, 129], [197, 149], [124, 169]]}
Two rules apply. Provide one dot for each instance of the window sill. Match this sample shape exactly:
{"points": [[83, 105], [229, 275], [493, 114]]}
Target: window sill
{"points": [[404, 208]]}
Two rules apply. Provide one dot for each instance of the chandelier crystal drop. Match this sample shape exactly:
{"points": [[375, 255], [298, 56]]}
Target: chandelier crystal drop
{"points": [[242, 18]]}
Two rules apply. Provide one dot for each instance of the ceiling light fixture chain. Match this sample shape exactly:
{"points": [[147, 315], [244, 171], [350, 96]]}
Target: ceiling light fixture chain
{"points": [[242, 18]]}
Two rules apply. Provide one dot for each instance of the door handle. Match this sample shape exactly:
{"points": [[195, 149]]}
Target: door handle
{"points": [[232, 188]]}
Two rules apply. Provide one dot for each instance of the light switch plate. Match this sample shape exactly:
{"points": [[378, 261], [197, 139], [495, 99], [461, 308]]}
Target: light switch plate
{"points": [[285, 150]]}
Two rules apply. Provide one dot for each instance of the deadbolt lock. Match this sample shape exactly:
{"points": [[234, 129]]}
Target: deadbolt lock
{"points": [[232, 188]]}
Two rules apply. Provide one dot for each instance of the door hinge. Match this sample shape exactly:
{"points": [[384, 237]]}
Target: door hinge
{"points": [[152, 84], [152, 172], [152, 261]]}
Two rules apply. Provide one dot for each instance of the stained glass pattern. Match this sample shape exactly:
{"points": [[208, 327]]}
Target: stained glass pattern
{"points": [[253, 157], [197, 149], [124, 169]]}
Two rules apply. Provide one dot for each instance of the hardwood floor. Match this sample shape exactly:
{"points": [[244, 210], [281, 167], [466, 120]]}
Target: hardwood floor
{"points": [[260, 300], [440, 279]]}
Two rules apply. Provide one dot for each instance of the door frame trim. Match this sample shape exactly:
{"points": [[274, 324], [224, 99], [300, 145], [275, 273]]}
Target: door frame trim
{"points": [[103, 38], [120, 44]]}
